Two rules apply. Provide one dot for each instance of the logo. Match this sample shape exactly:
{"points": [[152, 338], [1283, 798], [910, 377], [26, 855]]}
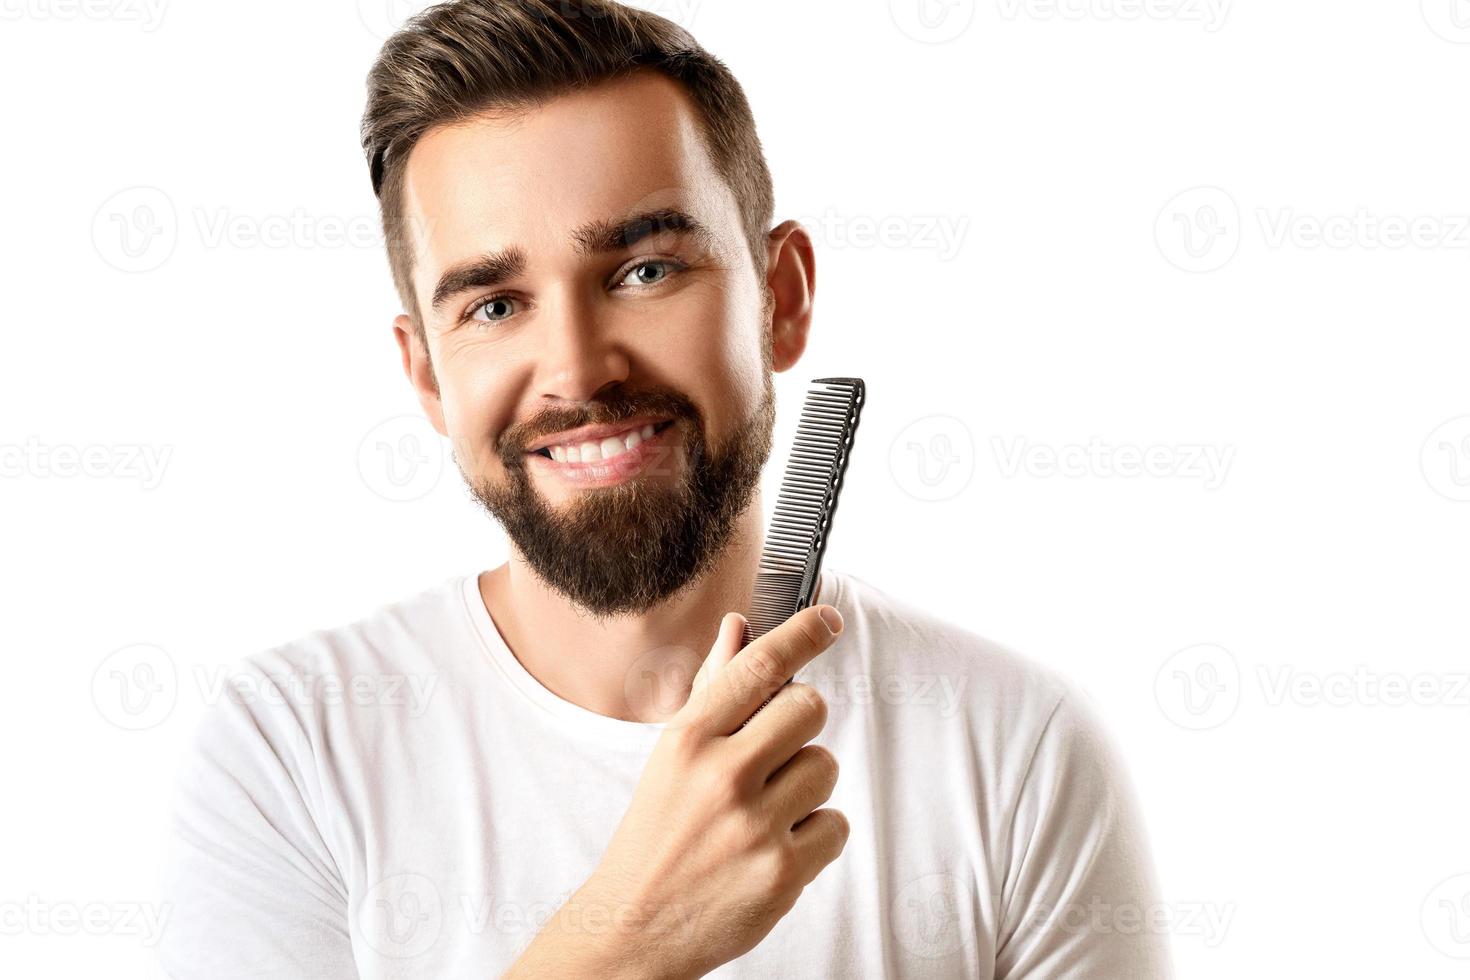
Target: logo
{"points": [[135, 230], [928, 915], [932, 21], [1450, 19], [1199, 687], [933, 458], [1445, 917], [401, 459], [1199, 230], [383, 17], [136, 688], [401, 917], [1445, 459]]}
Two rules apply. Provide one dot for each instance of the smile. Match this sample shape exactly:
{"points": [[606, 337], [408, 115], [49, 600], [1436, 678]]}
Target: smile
{"points": [[607, 460]]}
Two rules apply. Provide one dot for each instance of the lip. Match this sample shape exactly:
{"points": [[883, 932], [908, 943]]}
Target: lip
{"points": [[594, 433], [607, 472]]}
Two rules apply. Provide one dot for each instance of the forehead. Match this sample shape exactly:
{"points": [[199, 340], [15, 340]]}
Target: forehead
{"points": [[526, 179]]}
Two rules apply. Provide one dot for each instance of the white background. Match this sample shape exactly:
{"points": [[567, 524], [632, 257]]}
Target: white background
{"points": [[1189, 229]]}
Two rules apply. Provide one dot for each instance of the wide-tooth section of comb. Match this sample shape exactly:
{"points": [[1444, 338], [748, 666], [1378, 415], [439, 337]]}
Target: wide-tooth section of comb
{"points": [[797, 538]]}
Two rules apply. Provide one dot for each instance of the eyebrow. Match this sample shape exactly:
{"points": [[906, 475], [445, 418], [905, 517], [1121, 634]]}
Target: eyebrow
{"points": [[594, 238]]}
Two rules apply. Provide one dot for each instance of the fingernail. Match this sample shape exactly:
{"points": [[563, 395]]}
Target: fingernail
{"points": [[832, 618]]}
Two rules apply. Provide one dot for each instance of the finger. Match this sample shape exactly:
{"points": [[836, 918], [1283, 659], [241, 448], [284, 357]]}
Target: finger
{"points": [[796, 715], [800, 786], [820, 838], [759, 670], [726, 646]]}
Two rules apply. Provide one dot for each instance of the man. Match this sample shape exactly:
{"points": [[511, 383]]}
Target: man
{"points": [[579, 224]]}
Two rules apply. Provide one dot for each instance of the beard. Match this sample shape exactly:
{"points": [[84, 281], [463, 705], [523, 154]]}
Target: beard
{"points": [[623, 549]]}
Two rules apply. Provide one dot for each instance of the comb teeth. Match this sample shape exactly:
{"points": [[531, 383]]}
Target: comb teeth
{"points": [[797, 538]]}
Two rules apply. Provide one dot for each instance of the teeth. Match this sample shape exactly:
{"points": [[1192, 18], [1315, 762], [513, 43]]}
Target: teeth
{"points": [[592, 452]]}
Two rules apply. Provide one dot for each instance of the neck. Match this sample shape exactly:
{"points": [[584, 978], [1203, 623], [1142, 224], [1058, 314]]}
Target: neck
{"points": [[638, 667]]}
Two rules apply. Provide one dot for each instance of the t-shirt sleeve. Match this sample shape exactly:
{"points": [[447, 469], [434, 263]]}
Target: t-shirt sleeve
{"points": [[1080, 901], [253, 888]]}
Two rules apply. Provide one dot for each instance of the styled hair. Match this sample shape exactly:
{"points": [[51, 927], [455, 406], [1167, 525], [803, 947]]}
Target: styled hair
{"points": [[459, 59]]}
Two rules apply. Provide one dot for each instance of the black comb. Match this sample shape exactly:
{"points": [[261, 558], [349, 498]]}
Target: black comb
{"points": [[791, 560]]}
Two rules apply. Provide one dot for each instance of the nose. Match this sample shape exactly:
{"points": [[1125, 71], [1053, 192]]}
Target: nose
{"points": [[579, 356]]}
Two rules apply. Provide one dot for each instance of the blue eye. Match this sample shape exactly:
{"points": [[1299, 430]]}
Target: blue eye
{"points": [[494, 308], [665, 268]]}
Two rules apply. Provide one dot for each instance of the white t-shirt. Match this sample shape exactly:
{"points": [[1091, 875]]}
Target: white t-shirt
{"points": [[399, 797]]}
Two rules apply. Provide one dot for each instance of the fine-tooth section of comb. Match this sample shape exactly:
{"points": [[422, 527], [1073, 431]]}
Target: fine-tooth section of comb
{"points": [[791, 561]]}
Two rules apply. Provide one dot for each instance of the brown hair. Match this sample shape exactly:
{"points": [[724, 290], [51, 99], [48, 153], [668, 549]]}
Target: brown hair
{"points": [[461, 58]]}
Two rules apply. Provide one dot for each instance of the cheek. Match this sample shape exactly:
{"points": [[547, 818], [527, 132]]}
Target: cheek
{"points": [[477, 409], [698, 347]]}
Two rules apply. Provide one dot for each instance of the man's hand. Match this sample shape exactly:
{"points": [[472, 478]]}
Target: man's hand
{"points": [[723, 832]]}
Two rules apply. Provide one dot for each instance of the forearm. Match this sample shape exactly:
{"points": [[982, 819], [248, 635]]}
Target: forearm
{"points": [[590, 938]]}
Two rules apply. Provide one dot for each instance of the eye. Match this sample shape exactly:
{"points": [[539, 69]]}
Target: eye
{"points": [[491, 310], [640, 273]]}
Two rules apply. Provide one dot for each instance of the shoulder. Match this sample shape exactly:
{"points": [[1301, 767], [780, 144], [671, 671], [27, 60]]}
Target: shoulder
{"points": [[899, 643], [283, 703], [412, 636]]}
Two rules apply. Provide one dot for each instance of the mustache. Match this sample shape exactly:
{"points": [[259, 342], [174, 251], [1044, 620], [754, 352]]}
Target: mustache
{"points": [[618, 406]]}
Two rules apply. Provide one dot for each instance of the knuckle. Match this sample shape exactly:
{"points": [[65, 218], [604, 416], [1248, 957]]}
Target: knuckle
{"points": [[823, 761], [719, 787], [814, 632], [784, 868], [844, 827], [809, 698], [746, 768], [763, 666]]}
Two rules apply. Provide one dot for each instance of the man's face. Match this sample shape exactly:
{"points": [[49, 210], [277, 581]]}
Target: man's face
{"points": [[582, 264]]}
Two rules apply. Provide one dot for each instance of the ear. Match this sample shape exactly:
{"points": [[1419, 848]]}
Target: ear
{"points": [[791, 281], [420, 372]]}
